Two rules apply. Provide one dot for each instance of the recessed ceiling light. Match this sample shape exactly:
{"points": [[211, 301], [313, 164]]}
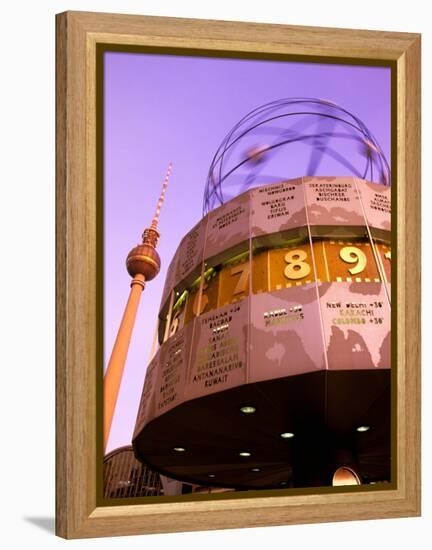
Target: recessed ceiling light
{"points": [[363, 428], [255, 469], [287, 435], [247, 409], [283, 482], [212, 475], [179, 449], [244, 453]]}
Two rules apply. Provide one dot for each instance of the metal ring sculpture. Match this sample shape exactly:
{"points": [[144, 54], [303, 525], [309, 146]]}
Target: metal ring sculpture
{"points": [[297, 114]]}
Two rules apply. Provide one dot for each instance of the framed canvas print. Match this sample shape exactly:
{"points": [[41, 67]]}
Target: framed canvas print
{"points": [[238, 274]]}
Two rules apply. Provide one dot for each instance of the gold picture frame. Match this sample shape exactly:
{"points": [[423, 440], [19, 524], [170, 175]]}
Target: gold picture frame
{"points": [[79, 35]]}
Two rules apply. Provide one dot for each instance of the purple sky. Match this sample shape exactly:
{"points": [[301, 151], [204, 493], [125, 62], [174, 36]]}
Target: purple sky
{"points": [[160, 108]]}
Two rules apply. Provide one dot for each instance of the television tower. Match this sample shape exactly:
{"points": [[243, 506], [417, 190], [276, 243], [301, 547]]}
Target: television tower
{"points": [[143, 264]]}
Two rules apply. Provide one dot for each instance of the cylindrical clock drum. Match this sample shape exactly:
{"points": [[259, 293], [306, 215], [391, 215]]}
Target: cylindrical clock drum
{"points": [[274, 333]]}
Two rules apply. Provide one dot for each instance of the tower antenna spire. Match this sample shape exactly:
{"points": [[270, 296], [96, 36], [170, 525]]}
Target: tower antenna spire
{"points": [[161, 197]]}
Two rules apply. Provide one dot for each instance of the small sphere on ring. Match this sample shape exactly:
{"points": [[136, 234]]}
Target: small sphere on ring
{"points": [[143, 260]]}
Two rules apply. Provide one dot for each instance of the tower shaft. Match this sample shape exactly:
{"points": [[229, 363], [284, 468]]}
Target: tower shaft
{"points": [[114, 371]]}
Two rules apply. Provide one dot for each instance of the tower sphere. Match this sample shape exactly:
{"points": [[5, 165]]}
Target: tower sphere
{"points": [[143, 260]]}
